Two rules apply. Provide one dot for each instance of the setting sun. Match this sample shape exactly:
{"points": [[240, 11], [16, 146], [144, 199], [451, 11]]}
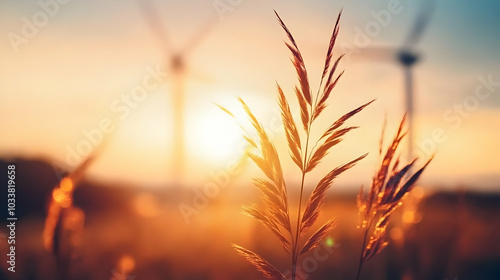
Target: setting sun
{"points": [[214, 136]]}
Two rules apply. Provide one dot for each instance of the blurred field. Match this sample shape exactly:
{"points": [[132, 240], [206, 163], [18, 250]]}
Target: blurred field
{"points": [[447, 235]]}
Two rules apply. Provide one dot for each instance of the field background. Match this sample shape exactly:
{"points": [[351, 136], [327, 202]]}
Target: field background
{"points": [[453, 235]]}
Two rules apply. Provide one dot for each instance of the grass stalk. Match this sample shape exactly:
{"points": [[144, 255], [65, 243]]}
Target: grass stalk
{"points": [[274, 213]]}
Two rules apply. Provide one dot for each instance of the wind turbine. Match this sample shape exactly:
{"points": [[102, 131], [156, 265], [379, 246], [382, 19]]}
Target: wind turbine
{"points": [[178, 72], [407, 56]]}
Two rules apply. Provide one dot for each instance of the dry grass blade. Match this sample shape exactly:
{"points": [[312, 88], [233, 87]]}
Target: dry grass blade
{"points": [[292, 134], [275, 196], [261, 264], [317, 197], [381, 176], [385, 195], [271, 192], [78, 172], [329, 84], [314, 240], [408, 186], [329, 53], [381, 142], [304, 110], [262, 216], [64, 223], [326, 94], [322, 151], [225, 110], [275, 193], [246, 136], [62, 198], [375, 246], [393, 183], [360, 202], [256, 124], [338, 123], [263, 165], [318, 110], [274, 213], [269, 163], [298, 62]]}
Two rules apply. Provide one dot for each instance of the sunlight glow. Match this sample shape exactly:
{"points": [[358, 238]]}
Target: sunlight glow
{"points": [[66, 184], [214, 136], [62, 198]]}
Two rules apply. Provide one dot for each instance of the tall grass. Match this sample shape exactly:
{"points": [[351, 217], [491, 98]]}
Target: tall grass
{"points": [[386, 193], [274, 213], [63, 227], [64, 223], [388, 188]]}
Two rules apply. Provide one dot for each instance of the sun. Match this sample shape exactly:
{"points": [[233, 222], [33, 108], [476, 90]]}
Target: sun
{"points": [[214, 136]]}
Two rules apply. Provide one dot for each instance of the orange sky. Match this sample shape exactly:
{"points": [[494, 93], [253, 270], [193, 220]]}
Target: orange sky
{"points": [[66, 79]]}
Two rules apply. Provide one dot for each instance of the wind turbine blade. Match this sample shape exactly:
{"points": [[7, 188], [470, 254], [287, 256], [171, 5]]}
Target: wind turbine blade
{"points": [[79, 171], [421, 23], [373, 54], [155, 23], [196, 38]]}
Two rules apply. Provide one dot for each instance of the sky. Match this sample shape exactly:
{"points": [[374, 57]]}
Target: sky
{"points": [[66, 75]]}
